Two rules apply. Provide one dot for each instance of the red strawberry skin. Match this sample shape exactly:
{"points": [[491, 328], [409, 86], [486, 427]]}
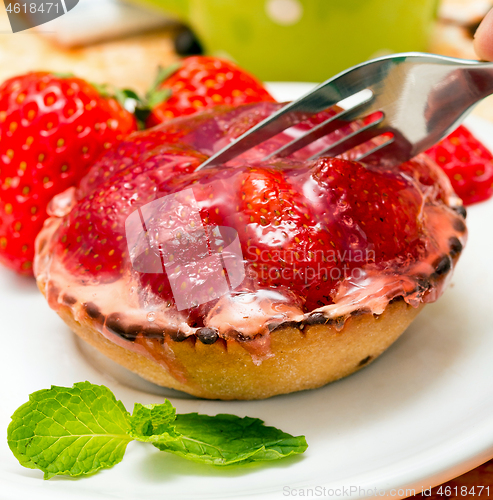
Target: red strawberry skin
{"points": [[203, 82], [51, 130], [467, 163]]}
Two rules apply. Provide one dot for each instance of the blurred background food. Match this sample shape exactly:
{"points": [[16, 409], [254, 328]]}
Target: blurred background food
{"points": [[123, 42], [293, 39]]}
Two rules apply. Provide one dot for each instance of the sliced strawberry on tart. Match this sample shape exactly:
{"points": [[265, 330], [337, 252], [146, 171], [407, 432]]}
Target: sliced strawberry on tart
{"points": [[247, 280]]}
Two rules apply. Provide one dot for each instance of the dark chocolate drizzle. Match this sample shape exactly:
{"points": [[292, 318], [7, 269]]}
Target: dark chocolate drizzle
{"points": [[115, 324], [442, 265], [459, 225], [455, 246], [93, 311], [461, 210], [207, 335], [365, 361]]}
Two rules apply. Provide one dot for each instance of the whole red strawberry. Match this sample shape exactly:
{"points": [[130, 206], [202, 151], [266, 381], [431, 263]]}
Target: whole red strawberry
{"points": [[201, 82], [468, 164], [52, 128]]}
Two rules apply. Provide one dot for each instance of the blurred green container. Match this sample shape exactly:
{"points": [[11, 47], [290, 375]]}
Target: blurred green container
{"points": [[304, 40]]}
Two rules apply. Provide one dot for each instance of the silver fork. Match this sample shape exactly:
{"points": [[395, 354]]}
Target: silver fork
{"points": [[421, 97]]}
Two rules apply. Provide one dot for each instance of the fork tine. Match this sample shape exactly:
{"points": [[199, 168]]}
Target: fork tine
{"points": [[354, 139], [321, 98], [438, 91], [330, 125], [393, 152], [374, 153]]}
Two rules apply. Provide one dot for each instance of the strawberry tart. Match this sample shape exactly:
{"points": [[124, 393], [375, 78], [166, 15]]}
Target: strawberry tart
{"points": [[250, 279]]}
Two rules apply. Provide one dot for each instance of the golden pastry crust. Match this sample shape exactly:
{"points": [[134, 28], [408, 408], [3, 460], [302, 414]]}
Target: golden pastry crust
{"points": [[305, 356]]}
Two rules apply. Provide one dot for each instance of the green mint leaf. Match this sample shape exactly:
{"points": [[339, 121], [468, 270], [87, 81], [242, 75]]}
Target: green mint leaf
{"points": [[220, 440], [72, 431], [131, 94], [226, 439], [151, 420]]}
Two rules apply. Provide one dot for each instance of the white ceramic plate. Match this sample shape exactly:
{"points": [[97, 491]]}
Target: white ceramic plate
{"points": [[421, 414]]}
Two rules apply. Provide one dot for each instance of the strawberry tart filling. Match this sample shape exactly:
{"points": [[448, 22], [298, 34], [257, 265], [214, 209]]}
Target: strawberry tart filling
{"points": [[152, 252]]}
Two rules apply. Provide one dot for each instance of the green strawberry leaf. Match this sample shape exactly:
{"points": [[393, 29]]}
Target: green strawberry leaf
{"points": [[163, 74], [104, 89], [127, 98], [157, 97], [72, 431], [63, 75], [220, 440]]}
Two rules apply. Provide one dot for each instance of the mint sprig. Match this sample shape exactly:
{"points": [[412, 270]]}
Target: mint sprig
{"points": [[77, 431]]}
